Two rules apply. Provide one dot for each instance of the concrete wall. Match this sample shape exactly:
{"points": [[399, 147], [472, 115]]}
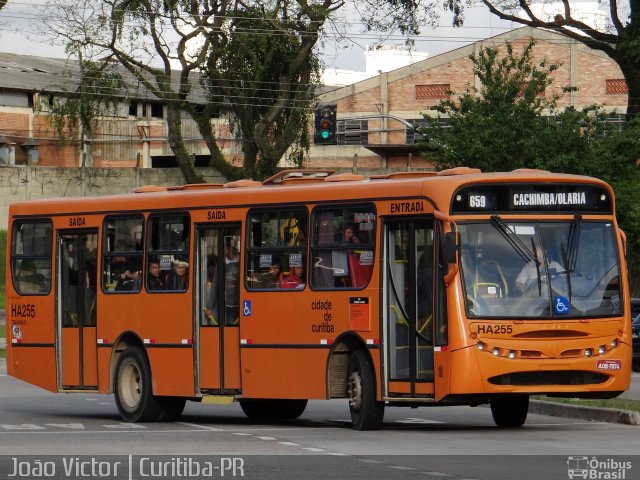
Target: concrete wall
{"points": [[19, 183]]}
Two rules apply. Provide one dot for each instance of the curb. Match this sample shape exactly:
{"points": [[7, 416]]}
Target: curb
{"points": [[594, 414]]}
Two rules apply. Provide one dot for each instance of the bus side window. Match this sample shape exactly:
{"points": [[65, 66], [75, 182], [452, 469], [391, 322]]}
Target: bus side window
{"points": [[276, 243], [31, 257], [343, 247], [122, 254], [168, 247]]}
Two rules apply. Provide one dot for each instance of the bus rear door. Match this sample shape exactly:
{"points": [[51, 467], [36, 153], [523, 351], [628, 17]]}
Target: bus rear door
{"points": [[218, 330], [77, 320], [408, 307]]}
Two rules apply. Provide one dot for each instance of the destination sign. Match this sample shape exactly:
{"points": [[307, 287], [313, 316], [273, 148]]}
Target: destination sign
{"points": [[582, 198]]}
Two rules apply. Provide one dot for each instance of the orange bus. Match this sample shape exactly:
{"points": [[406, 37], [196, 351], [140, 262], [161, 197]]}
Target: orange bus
{"points": [[449, 288]]}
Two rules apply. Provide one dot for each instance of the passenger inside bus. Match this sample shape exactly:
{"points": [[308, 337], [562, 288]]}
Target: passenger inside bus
{"points": [[178, 278], [210, 293], [30, 281], [128, 278], [231, 283], [270, 279], [349, 234], [294, 278], [154, 279]]}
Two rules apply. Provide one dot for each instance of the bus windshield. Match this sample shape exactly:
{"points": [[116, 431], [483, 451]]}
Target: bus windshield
{"points": [[540, 269]]}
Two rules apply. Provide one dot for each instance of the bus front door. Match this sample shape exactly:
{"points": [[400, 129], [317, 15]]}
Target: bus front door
{"points": [[77, 321], [408, 308], [218, 330]]}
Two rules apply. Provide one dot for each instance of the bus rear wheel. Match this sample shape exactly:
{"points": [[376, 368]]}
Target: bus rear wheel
{"points": [[273, 409], [509, 411], [132, 388], [366, 412]]}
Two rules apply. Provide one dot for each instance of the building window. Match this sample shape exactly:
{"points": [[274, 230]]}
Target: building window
{"points": [[15, 99], [435, 91], [616, 87], [157, 110], [353, 132]]}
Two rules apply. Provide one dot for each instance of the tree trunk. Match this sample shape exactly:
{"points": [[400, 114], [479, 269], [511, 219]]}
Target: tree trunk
{"points": [[176, 142], [217, 159], [250, 162]]}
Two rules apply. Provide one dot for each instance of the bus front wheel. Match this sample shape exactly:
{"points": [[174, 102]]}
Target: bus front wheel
{"points": [[366, 412], [132, 388], [509, 411]]}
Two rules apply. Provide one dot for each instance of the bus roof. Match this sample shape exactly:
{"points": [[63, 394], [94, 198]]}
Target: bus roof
{"points": [[437, 186]]}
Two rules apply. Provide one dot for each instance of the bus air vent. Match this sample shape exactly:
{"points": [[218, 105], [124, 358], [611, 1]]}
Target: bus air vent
{"points": [[344, 177], [459, 171], [300, 173], [401, 175], [197, 186], [561, 377], [243, 184], [529, 170]]}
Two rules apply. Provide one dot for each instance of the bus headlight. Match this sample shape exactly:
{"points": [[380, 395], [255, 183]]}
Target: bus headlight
{"points": [[601, 349], [614, 343], [512, 354], [588, 352], [496, 352], [481, 346]]}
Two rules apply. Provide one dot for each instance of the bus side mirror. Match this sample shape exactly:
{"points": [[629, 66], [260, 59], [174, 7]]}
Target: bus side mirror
{"points": [[451, 247]]}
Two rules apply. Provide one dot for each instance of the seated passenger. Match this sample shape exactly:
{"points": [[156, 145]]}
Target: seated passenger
{"points": [[178, 278], [154, 280], [294, 279], [127, 280], [30, 281], [270, 279]]}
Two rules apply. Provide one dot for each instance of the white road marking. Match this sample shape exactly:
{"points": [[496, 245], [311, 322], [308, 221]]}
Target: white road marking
{"points": [[438, 474], [399, 467], [417, 420], [266, 438], [289, 444], [313, 449], [22, 426], [202, 427], [132, 426], [72, 426]]}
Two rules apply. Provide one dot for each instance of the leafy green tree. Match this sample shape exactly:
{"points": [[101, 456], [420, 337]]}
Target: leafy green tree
{"points": [[267, 71], [94, 96], [505, 124]]}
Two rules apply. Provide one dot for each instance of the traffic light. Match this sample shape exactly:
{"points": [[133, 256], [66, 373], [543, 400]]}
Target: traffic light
{"points": [[325, 125]]}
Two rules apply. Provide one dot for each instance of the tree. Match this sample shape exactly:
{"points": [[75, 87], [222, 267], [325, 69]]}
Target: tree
{"points": [[267, 71], [507, 123], [77, 110], [621, 43], [161, 44]]}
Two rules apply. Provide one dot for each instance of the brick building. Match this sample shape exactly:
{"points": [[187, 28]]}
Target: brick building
{"points": [[374, 116]]}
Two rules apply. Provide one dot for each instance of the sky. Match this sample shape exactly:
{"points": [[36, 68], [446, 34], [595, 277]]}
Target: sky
{"points": [[19, 33]]}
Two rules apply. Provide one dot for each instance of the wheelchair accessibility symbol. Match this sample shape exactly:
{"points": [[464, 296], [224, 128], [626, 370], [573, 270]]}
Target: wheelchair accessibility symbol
{"points": [[561, 305], [246, 309]]}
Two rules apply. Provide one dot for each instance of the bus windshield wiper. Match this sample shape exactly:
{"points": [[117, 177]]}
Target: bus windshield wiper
{"points": [[513, 240]]}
